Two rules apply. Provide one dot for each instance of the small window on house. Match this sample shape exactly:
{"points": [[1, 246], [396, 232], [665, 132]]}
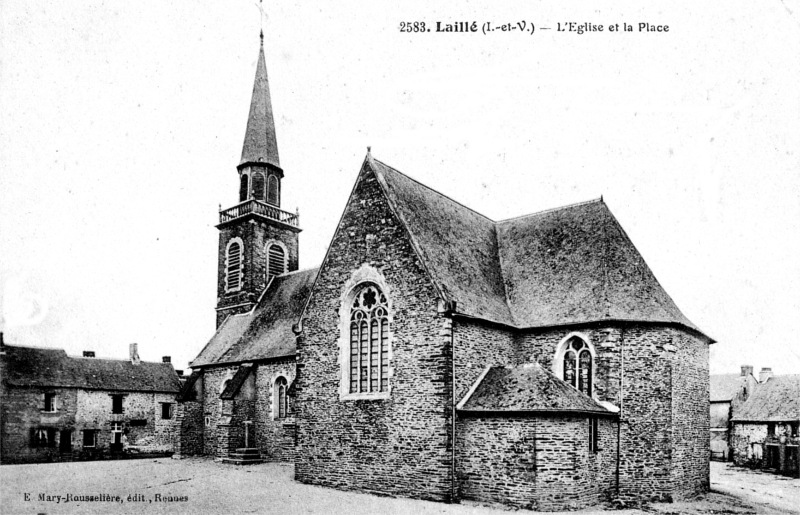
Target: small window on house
{"points": [[276, 260], [771, 429], [43, 437], [369, 341], [89, 438], [49, 402], [258, 186], [593, 436], [166, 410], [138, 422], [272, 190], [116, 404], [795, 429], [243, 188], [281, 398]]}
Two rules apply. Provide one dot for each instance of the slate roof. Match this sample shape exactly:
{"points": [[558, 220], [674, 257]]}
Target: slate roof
{"points": [[266, 331], [42, 367], [260, 142], [724, 387], [776, 400], [527, 388], [574, 264]]}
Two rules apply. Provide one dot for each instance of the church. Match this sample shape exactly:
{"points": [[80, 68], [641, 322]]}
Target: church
{"points": [[438, 354]]}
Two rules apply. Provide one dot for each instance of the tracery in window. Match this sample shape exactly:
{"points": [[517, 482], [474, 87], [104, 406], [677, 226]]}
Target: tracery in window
{"points": [[369, 341], [276, 260], [272, 190], [576, 359], [233, 265]]}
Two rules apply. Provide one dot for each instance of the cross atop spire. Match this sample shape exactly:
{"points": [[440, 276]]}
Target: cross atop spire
{"points": [[260, 142]]}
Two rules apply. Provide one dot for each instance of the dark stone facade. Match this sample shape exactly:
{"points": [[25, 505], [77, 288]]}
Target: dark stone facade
{"points": [[255, 233]]}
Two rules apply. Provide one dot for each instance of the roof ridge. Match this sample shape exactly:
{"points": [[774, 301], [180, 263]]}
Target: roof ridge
{"points": [[16, 346], [550, 210], [124, 360], [298, 271], [434, 190]]}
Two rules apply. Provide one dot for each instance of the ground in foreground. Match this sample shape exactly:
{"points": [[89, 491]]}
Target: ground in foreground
{"points": [[203, 486]]}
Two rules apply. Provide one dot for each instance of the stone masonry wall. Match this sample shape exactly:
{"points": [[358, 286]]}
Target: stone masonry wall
{"points": [[212, 406], [540, 463], [742, 442], [690, 416], [23, 410], [477, 345], [254, 236], [275, 437], [400, 445], [155, 434], [634, 370]]}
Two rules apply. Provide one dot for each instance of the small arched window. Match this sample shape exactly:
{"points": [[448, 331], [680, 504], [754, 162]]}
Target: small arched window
{"points": [[233, 265], [577, 365], [243, 187], [276, 260], [258, 186], [272, 190], [369, 341], [281, 398]]}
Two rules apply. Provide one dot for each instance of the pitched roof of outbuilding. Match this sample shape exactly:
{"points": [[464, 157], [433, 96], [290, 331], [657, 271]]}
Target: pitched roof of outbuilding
{"points": [[776, 400], [527, 388], [266, 331], [41, 367], [569, 265], [724, 387]]}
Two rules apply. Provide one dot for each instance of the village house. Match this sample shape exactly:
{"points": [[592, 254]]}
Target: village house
{"points": [[727, 391], [766, 427], [439, 354], [57, 407]]}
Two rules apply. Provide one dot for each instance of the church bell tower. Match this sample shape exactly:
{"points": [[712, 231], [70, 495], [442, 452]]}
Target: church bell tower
{"points": [[257, 239]]}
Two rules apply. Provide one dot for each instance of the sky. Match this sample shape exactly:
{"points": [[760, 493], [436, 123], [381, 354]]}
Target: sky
{"points": [[121, 125]]}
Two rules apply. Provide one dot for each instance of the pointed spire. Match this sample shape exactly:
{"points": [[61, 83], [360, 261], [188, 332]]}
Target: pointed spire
{"points": [[260, 143]]}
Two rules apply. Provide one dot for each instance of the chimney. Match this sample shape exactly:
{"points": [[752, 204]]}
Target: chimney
{"points": [[764, 375], [134, 351], [88, 354], [747, 370], [166, 359]]}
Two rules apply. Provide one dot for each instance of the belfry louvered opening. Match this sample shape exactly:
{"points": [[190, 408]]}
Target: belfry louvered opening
{"points": [[276, 260], [233, 270]]}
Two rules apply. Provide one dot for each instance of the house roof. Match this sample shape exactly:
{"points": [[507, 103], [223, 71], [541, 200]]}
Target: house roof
{"points": [[527, 388], [260, 142], [776, 400], [41, 367], [266, 331], [569, 265], [724, 387]]}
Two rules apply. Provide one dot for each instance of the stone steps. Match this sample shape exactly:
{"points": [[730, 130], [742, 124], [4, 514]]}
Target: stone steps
{"points": [[244, 456]]}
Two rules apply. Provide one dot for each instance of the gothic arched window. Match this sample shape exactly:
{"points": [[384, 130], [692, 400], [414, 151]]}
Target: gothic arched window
{"points": [[281, 399], [233, 265], [272, 190], [276, 260], [369, 341], [258, 186], [243, 188], [576, 364]]}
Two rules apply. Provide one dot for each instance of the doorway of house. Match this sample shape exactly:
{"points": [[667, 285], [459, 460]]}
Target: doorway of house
{"points": [[116, 437], [65, 441]]}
